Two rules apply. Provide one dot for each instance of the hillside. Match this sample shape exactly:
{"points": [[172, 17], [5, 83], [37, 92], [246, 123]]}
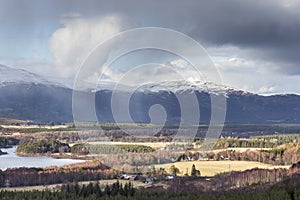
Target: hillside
{"points": [[31, 97]]}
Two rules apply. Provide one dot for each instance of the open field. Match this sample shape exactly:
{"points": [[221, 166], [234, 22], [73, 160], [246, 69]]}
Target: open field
{"points": [[211, 168], [34, 127]]}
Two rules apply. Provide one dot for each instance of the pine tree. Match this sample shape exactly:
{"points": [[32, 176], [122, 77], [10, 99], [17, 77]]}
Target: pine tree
{"points": [[126, 189], [131, 189], [194, 171], [174, 170], [107, 190]]}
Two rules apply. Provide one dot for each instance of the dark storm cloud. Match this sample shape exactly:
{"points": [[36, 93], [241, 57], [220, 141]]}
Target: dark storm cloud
{"points": [[270, 28], [253, 23]]}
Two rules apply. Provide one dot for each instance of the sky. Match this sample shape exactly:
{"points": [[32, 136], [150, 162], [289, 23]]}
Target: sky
{"points": [[254, 44]]}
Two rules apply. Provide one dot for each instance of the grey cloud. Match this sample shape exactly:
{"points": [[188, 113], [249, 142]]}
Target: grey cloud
{"points": [[250, 23], [270, 28]]}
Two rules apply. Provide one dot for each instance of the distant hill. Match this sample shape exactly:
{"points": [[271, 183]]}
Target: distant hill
{"points": [[31, 97], [9, 121]]}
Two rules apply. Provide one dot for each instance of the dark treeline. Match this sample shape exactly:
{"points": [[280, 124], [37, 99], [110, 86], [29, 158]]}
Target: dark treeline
{"points": [[120, 148], [239, 180], [243, 143], [287, 189], [266, 141], [8, 142], [87, 171], [51, 146], [284, 155], [75, 191], [43, 147]]}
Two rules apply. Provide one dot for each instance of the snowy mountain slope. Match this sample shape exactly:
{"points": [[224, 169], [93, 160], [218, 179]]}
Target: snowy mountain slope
{"points": [[28, 96], [25, 95], [10, 75], [188, 87]]}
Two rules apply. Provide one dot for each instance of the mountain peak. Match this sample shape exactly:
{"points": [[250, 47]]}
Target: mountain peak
{"points": [[183, 86]]}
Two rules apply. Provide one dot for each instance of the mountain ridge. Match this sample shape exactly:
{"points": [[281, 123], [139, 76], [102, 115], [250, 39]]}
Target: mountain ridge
{"points": [[31, 97]]}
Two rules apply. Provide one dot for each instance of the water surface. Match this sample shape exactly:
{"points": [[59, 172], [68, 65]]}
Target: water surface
{"points": [[11, 160]]}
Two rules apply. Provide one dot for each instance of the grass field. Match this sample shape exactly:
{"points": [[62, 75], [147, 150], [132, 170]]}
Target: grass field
{"points": [[211, 168]]}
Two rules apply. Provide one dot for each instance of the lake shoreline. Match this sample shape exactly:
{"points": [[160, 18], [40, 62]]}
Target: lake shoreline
{"points": [[55, 156], [12, 160], [2, 153]]}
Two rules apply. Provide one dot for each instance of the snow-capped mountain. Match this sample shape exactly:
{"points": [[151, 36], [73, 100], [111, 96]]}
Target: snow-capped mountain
{"points": [[183, 86], [10, 75], [26, 95]]}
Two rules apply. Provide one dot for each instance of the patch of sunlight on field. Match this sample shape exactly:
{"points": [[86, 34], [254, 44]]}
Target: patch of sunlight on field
{"points": [[211, 168]]}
